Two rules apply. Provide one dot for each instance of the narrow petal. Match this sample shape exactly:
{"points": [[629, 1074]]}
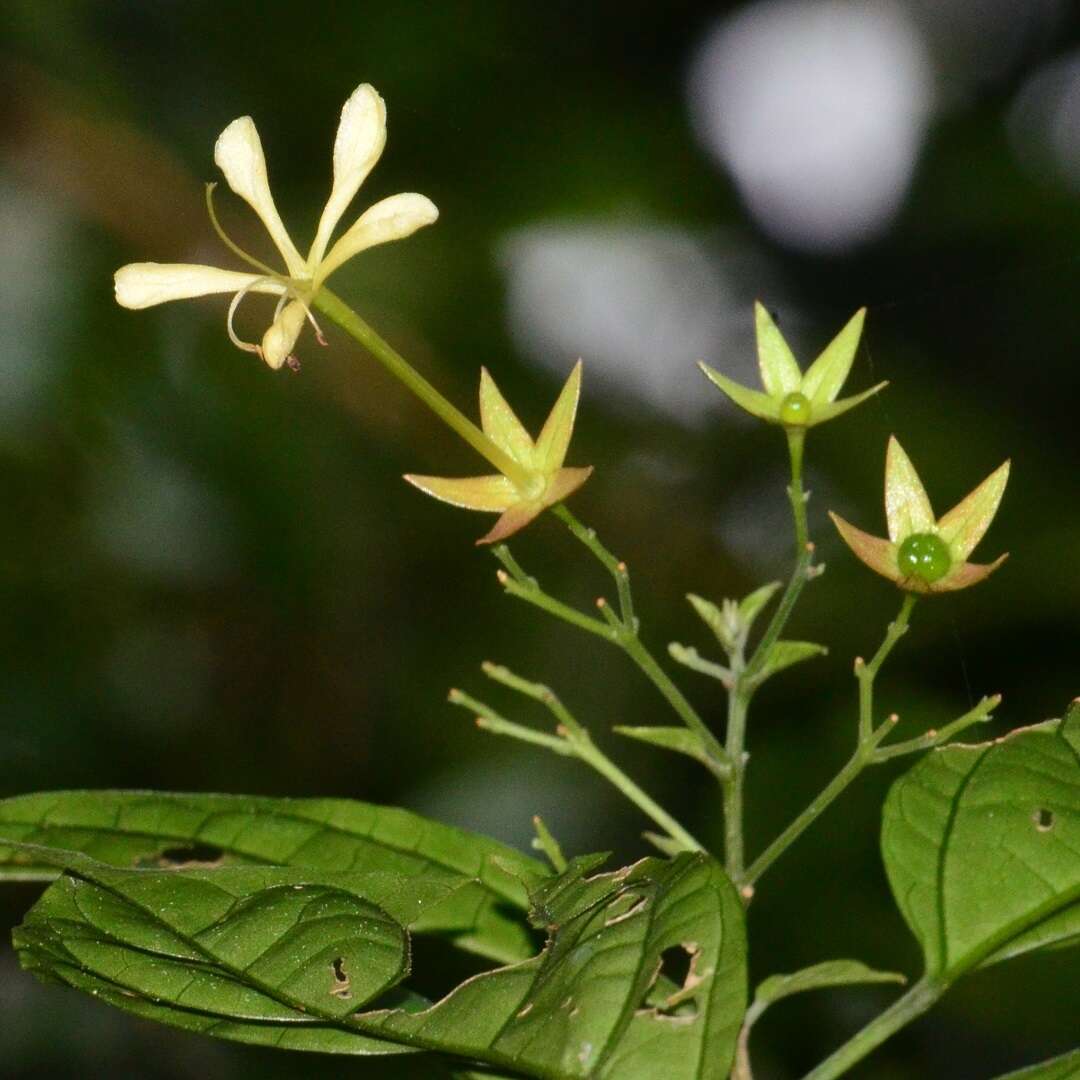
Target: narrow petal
{"points": [[780, 374], [239, 154], [142, 285], [517, 517], [279, 340], [966, 574], [907, 507], [875, 551], [500, 423], [829, 410], [361, 136], [966, 523], [469, 492], [564, 483], [394, 218], [554, 438], [827, 373], [753, 401]]}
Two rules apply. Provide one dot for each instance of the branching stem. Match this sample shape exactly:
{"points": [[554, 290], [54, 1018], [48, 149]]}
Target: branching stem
{"points": [[913, 1004], [335, 308]]}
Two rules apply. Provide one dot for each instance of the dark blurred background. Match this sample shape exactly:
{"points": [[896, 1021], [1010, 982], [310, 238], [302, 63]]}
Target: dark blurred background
{"points": [[214, 579]]}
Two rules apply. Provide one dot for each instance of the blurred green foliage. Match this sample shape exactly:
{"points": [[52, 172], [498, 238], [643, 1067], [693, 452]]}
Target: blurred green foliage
{"points": [[213, 577]]}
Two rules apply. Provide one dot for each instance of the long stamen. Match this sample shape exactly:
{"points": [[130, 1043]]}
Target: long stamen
{"points": [[235, 248], [247, 346]]}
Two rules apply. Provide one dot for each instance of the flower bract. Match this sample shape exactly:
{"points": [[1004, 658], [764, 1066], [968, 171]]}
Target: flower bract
{"points": [[361, 136], [923, 553], [547, 480], [793, 398]]}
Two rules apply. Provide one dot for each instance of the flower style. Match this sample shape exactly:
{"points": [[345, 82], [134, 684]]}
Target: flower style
{"points": [[361, 136], [791, 398], [548, 480], [925, 554]]}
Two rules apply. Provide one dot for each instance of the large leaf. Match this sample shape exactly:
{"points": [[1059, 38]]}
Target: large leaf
{"points": [[238, 949], [148, 829], [289, 957], [1066, 1067], [585, 1007], [982, 846]]}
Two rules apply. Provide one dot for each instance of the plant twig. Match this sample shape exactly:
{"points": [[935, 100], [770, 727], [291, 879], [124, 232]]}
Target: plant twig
{"points": [[913, 1004], [570, 739]]}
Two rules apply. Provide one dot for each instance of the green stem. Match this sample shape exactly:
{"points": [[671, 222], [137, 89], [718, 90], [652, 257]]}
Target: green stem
{"points": [[738, 705], [866, 749], [913, 1004], [587, 750], [858, 761], [686, 712], [744, 673], [623, 631], [536, 596], [614, 566], [796, 438], [335, 308], [577, 738], [804, 554], [867, 673]]}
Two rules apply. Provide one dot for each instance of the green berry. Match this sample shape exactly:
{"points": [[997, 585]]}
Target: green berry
{"points": [[795, 409], [924, 555]]}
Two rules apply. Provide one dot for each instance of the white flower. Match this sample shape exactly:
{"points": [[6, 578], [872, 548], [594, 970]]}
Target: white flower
{"points": [[361, 136]]}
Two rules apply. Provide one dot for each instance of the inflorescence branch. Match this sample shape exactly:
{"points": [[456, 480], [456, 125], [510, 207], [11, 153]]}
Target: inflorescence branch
{"points": [[571, 739]]}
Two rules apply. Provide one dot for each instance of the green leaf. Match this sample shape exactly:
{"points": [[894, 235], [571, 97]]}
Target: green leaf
{"points": [[722, 620], [819, 977], [268, 955], [751, 605], [681, 740], [689, 657], [981, 847], [1066, 1067], [784, 654], [578, 1009], [147, 829], [267, 945]]}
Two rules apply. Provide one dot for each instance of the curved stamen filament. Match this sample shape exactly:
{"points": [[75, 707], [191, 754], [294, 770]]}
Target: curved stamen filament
{"points": [[235, 248], [247, 346]]}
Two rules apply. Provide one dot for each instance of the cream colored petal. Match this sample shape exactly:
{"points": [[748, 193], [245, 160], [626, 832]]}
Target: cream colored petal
{"points": [[965, 575], [554, 438], [779, 373], [142, 285], [966, 523], [239, 154], [361, 136], [517, 517], [907, 507], [501, 424], [753, 401], [565, 483], [279, 340], [826, 375], [390, 219], [492, 493], [875, 551]]}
